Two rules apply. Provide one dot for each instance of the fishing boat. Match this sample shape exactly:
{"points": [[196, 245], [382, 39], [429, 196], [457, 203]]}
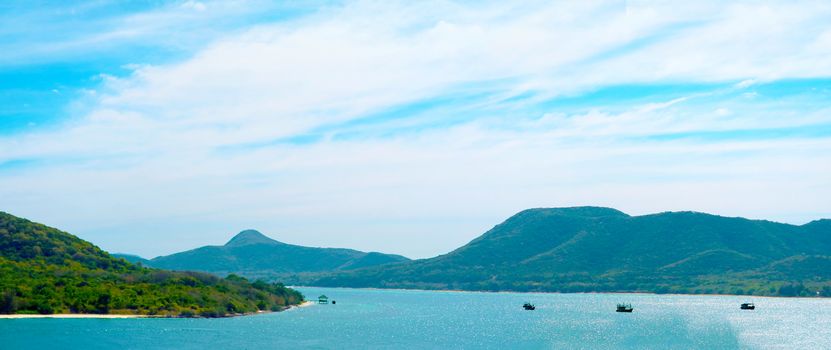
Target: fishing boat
{"points": [[529, 306], [624, 308], [748, 306]]}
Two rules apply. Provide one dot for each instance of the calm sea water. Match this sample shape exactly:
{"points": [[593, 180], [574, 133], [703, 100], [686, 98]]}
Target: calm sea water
{"points": [[369, 319]]}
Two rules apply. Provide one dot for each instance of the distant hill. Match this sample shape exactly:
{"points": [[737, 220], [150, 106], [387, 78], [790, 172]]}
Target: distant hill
{"points": [[135, 259], [252, 254], [45, 270], [592, 249]]}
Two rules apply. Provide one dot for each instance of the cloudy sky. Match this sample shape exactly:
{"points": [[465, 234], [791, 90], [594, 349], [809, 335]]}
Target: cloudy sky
{"points": [[405, 127]]}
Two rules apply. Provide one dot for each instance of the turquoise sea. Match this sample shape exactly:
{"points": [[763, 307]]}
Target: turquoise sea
{"points": [[406, 319]]}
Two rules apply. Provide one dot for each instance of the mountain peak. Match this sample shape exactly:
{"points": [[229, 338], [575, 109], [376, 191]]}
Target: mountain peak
{"points": [[585, 211], [248, 237]]}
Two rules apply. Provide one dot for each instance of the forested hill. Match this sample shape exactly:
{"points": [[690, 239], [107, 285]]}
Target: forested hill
{"points": [[44, 270], [592, 249]]}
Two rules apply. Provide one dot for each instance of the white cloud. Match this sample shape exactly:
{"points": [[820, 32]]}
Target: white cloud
{"points": [[722, 112], [194, 5], [154, 145], [745, 84]]}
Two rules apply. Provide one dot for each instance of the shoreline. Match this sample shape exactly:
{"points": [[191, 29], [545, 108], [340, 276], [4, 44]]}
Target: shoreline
{"points": [[510, 291], [306, 303], [21, 316], [123, 316]]}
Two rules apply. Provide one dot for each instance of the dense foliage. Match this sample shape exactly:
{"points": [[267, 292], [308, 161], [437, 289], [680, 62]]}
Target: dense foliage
{"points": [[44, 270], [254, 255], [589, 249]]}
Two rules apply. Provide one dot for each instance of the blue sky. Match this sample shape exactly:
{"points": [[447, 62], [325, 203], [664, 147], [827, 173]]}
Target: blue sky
{"points": [[410, 128]]}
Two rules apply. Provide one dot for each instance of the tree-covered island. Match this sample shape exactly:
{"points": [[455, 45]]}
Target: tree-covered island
{"points": [[44, 271]]}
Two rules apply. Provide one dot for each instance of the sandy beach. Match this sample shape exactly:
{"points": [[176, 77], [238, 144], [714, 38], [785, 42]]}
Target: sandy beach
{"points": [[305, 304], [72, 316]]}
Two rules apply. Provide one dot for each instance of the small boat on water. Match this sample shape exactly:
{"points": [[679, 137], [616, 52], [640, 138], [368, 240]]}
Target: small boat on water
{"points": [[529, 306], [624, 308], [748, 306]]}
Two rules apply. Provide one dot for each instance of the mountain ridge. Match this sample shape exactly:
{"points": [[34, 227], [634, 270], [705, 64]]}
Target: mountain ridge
{"points": [[589, 249], [569, 249], [252, 254]]}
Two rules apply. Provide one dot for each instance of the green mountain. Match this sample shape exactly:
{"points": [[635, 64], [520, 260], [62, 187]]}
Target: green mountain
{"points": [[44, 270], [252, 254], [591, 249]]}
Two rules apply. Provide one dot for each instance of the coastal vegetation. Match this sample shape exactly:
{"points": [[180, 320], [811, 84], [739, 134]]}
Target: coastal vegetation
{"points": [[44, 270]]}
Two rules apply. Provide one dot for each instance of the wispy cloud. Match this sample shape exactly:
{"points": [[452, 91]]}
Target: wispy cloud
{"points": [[377, 125]]}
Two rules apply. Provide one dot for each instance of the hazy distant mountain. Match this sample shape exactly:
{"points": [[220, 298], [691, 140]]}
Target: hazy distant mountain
{"points": [[600, 249], [252, 254]]}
